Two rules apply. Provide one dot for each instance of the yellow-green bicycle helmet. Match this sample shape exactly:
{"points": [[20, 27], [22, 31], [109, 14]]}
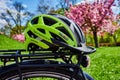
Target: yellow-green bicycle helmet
{"points": [[50, 31]]}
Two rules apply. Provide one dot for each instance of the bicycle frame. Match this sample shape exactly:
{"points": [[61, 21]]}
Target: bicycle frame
{"points": [[41, 55]]}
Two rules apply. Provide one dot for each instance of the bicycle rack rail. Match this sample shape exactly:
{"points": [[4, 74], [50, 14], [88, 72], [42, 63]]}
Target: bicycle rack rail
{"points": [[17, 57]]}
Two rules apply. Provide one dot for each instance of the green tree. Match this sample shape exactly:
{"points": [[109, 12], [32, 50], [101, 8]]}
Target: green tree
{"points": [[44, 6], [15, 15]]}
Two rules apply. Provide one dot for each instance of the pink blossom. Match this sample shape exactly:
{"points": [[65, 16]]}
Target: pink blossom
{"points": [[91, 15], [19, 37]]}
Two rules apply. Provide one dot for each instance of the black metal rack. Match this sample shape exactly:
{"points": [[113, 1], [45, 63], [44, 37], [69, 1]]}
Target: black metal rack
{"points": [[20, 55]]}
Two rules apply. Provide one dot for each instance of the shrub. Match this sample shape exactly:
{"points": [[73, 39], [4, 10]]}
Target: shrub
{"points": [[19, 37]]}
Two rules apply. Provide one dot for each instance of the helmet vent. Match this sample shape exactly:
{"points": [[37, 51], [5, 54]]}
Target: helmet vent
{"points": [[35, 20], [56, 37], [41, 30], [49, 21], [62, 29], [80, 33], [30, 33], [66, 21]]}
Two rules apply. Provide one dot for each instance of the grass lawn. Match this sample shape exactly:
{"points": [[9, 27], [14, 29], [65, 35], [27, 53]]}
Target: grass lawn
{"points": [[7, 43], [105, 62]]}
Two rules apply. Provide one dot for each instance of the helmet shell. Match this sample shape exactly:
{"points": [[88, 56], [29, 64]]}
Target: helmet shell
{"points": [[44, 28]]}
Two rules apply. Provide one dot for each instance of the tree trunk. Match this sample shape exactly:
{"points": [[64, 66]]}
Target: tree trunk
{"points": [[95, 38], [115, 40]]}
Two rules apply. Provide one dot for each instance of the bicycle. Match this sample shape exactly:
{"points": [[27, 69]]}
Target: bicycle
{"points": [[48, 38], [38, 64]]}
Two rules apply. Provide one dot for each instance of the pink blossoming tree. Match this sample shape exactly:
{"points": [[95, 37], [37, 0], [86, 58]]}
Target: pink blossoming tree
{"points": [[93, 17], [19, 37], [112, 27]]}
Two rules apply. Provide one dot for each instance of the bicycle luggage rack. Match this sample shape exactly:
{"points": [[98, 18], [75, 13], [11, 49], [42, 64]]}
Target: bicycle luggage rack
{"points": [[20, 55], [17, 57]]}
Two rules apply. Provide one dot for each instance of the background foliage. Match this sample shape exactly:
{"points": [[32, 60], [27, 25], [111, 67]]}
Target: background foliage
{"points": [[14, 16], [105, 62]]}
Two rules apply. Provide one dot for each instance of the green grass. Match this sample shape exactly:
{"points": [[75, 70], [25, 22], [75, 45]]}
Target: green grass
{"points": [[105, 62], [8, 43]]}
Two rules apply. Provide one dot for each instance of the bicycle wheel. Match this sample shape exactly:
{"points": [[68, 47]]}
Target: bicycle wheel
{"points": [[39, 72]]}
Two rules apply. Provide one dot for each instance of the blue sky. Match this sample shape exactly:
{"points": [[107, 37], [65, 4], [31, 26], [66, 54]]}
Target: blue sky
{"points": [[32, 4]]}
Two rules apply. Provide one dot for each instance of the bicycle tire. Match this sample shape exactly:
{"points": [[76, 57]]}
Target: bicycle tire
{"points": [[29, 73]]}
